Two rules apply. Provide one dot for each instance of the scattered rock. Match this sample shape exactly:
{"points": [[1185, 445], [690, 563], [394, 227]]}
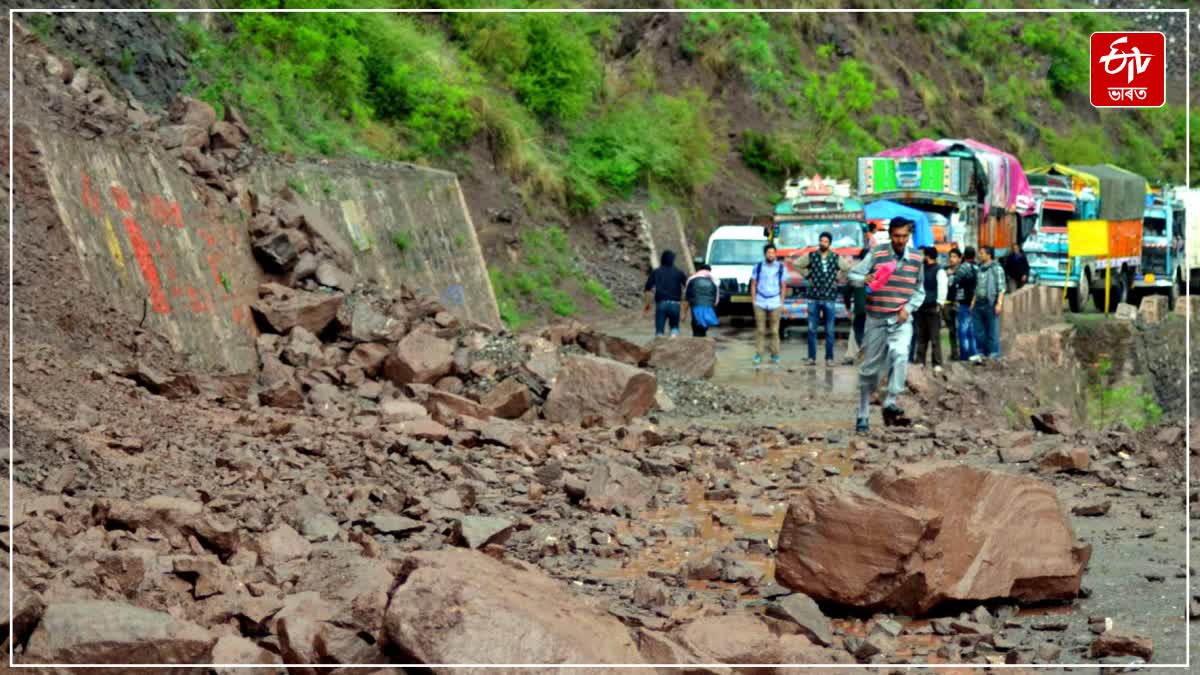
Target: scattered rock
{"points": [[1113, 643], [830, 545], [450, 602], [112, 632], [591, 388], [693, 358]]}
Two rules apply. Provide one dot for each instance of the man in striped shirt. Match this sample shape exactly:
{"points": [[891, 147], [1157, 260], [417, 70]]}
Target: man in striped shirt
{"points": [[892, 273]]}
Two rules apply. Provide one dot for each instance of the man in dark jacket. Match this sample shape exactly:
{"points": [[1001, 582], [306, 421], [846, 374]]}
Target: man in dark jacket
{"points": [[1016, 268], [664, 289]]}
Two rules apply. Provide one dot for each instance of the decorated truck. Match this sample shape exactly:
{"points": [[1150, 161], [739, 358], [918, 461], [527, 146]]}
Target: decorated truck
{"points": [[975, 194], [811, 206], [1163, 263], [1102, 192]]}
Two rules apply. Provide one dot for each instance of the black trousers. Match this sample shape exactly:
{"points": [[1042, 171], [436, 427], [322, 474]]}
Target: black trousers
{"points": [[929, 330], [698, 330], [949, 313]]}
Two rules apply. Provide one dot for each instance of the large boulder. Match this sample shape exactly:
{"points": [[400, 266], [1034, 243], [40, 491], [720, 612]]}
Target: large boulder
{"points": [[615, 348], [1154, 308], [509, 400], [927, 534], [112, 632], [285, 308], [589, 389], [420, 357], [693, 358], [448, 608]]}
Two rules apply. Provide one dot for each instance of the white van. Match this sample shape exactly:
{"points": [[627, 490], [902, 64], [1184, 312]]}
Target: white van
{"points": [[732, 252]]}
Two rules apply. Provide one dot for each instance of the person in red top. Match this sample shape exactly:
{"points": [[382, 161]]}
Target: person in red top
{"points": [[892, 273]]}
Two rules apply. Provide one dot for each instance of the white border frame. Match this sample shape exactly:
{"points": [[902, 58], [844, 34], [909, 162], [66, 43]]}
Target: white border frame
{"points": [[1187, 317]]}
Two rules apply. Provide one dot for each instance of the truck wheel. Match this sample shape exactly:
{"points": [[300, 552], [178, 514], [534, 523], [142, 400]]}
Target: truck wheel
{"points": [[1116, 295], [1077, 297]]}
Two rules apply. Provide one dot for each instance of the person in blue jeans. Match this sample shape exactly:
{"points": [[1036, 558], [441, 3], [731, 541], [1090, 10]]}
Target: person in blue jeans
{"points": [[989, 302], [822, 268], [664, 289], [963, 283]]}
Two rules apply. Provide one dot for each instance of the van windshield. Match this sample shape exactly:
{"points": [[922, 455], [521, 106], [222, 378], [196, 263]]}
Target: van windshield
{"points": [[736, 251]]}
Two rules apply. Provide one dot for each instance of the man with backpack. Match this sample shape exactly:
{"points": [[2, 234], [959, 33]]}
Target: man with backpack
{"points": [[966, 277], [892, 273], [822, 268], [766, 287]]}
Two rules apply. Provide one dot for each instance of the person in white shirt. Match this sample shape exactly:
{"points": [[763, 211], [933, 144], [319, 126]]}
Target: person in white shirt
{"points": [[929, 314]]}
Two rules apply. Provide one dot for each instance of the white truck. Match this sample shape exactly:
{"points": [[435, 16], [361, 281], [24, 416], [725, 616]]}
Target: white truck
{"points": [[732, 251]]}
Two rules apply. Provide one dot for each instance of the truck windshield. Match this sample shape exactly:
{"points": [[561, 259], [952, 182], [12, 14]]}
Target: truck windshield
{"points": [[1155, 227], [1056, 219], [735, 251], [847, 234]]}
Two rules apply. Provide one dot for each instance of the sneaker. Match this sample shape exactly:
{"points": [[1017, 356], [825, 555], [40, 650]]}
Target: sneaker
{"points": [[892, 413], [810, 362], [862, 426], [828, 363], [976, 359], [757, 359], [775, 359], [937, 370]]}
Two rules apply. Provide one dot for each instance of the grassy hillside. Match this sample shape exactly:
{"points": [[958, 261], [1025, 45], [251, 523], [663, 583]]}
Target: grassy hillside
{"points": [[578, 110]]}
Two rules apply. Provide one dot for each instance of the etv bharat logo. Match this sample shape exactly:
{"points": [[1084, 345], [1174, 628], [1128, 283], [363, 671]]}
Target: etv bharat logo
{"points": [[1129, 70]]}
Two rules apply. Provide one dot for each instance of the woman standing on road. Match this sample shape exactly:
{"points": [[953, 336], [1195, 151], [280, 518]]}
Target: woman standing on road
{"points": [[700, 299]]}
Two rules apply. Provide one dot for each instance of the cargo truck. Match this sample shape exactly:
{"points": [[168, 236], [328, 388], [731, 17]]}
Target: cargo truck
{"points": [[811, 206], [1163, 261], [1101, 192]]}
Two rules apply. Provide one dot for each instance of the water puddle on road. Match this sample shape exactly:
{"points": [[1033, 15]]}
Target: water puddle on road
{"points": [[718, 524]]}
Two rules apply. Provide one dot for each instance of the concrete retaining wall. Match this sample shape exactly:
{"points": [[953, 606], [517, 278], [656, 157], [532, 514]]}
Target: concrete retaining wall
{"points": [[144, 239], [1028, 311], [407, 224]]}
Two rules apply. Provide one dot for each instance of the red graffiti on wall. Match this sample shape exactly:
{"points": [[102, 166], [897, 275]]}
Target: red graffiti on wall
{"points": [[167, 215], [121, 197], [141, 251], [90, 199]]}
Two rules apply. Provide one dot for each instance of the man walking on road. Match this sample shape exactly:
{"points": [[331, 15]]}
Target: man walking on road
{"points": [[989, 302], [893, 273], [950, 306], [929, 315], [822, 268], [766, 287], [665, 288]]}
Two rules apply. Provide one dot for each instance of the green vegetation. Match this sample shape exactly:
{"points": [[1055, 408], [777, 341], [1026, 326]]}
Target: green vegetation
{"points": [[542, 279], [295, 185], [1128, 404], [402, 240], [563, 109]]}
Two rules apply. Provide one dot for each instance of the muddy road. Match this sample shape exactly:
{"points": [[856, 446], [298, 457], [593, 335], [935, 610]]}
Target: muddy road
{"points": [[1137, 571]]}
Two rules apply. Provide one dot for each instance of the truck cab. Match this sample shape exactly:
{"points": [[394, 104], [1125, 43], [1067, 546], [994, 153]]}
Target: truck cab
{"points": [[810, 207], [1100, 192], [732, 252], [945, 188], [1162, 268]]}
